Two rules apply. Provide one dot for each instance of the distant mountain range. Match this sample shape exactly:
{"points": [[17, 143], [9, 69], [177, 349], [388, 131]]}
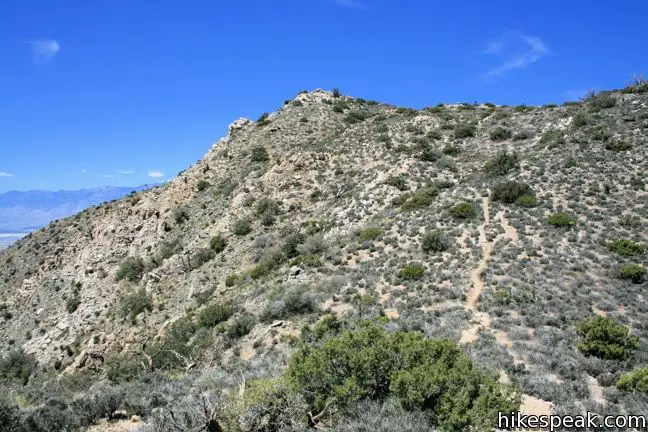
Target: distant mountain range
{"points": [[27, 211]]}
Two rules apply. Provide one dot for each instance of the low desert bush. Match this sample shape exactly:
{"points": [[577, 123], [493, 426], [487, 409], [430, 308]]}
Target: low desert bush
{"points": [[606, 338]]}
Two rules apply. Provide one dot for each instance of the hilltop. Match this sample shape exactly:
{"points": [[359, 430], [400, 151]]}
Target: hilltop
{"points": [[500, 228]]}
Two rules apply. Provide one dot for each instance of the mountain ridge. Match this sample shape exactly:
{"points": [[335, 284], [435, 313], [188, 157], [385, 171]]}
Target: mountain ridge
{"points": [[486, 225]]}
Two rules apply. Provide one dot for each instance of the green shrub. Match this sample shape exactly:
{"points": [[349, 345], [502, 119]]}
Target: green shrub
{"points": [[626, 247], [355, 116], [10, 416], [180, 215], [291, 244], [259, 154], [463, 210], [580, 120], [232, 279], [131, 269], [412, 271], [501, 164], [263, 119], [241, 227], [73, 301], [450, 150], [632, 272], [214, 313], [434, 241], [527, 201], [240, 327], [168, 248], [523, 135], [134, 303], [267, 210], [17, 365], [606, 338], [465, 131], [509, 191], [202, 256], [120, 369], [272, 406], [423, 197], [370, 363], [552, 139], [294, 301], [399, 182], [562, 220], [617, 146], [260, 270], [336, 92], [429, 153], [635, 381], [218, 243], [500, 134], [602, 100], [368, 234], [202, 185]]}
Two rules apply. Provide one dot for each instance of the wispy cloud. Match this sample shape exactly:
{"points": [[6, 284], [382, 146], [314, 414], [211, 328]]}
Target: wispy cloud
{"points": [[155, 174], [519, 51], [44, 50], [108, 176], [5, 174], [126, 172], [83, 170], [355, 4]]}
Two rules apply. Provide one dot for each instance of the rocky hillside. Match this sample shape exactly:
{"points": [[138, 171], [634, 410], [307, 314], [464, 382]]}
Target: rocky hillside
{"points": [[501, 228]]}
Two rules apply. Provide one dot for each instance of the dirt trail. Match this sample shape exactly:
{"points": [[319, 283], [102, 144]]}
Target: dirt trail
{"points": [[511, 232], [482, 319]]}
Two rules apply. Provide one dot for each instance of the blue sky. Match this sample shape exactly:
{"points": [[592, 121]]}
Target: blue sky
{"points": [[127, 92]]}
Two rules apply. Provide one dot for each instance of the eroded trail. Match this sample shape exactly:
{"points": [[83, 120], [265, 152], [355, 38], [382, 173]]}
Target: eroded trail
{"points": [[482, 319]]}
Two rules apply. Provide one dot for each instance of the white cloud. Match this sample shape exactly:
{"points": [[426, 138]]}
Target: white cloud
{"points": [[44, 50], [83, 170], [519, 50], [108, 176], [126, 172], [5, 174], [155, 174]]}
